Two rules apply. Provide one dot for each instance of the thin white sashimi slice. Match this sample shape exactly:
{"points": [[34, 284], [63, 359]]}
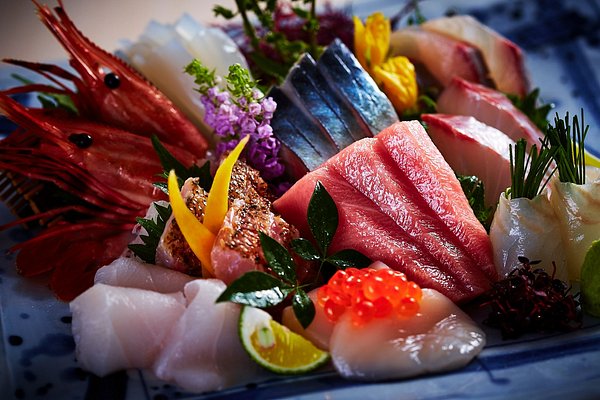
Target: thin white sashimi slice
{"points": [[473, 148], [118, 328], [202, 351], [440, 337], [442, 56], [163, 50], [504, 59], [490, 107], [129, 272], [528, 228], [578, 210]]}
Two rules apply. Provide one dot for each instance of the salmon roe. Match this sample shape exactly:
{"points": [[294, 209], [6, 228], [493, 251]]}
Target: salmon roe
{"points": [[369, 293]]}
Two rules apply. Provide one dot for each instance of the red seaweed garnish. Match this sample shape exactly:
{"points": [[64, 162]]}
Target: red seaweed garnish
{"points": [[530, 300]]}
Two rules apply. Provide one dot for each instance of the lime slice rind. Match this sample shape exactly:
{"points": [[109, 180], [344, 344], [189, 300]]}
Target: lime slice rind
{"points": [[287, 353]]}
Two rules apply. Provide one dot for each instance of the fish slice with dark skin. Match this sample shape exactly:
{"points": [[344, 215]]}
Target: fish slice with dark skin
{"points": [[400, 203]]}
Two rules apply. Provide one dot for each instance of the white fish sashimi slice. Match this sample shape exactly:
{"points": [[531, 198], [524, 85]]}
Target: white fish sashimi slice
{"points": [[203, 351], [442, 56], [578, 212], [528, 228], [440, 337], [473, 148], [504, 59], [490, 107], [119, 328], [129, 272]]}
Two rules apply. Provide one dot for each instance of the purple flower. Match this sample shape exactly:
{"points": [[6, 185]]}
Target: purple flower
{"points": [[264, 131], [254, 109], [268, 105]]}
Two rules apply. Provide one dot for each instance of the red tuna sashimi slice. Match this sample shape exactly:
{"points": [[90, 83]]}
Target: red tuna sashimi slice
{"points": [[365, 228], [442, 56], [504, 58], [423, 164], [473, 148], [384, 214], [490, 107]]}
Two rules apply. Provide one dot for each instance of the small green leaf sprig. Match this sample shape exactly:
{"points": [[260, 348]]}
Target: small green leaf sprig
{"points": [[569, 142], [155, 228], [474, 191], [272, 52], [529, 172], [530, 105], [263, 290]]}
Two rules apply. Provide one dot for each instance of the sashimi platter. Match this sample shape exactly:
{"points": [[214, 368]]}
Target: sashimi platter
{"points": [[384, 199]]}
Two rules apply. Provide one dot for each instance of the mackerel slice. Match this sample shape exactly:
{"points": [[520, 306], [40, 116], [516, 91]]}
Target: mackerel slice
{"points": [[339, 66], [399, 202], [306, 86], [305, 144]]}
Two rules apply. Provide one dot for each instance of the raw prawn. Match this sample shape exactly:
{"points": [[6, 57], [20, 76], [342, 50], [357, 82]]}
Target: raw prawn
{"points": [[110, 91], [108, 169]]}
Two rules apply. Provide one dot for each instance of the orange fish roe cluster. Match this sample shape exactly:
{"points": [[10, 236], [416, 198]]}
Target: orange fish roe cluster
{"points": [[369, 293]]}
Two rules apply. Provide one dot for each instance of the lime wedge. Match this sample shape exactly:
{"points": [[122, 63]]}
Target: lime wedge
{"points": [[275, 347], [590, 280]]}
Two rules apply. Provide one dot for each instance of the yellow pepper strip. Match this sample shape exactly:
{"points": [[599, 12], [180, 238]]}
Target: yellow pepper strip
{"points": [[398, 80], [200, 239], [372, 40], [218, 197], [591, 160]]}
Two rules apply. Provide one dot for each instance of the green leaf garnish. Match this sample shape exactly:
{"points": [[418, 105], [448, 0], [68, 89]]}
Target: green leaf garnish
{"points": [[169, 162], [538, 114], [569, 142], [256, 289], [348, 258], [590, 280], [322, 217], [252, 287], [303, 307], [278, 258], [474, 191], [305, 249], [147, 250]]}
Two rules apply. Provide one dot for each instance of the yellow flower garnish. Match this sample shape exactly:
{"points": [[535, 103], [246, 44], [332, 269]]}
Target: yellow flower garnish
{"points": [[201, 236], [398, 80], [395, 76], [372, 41]]}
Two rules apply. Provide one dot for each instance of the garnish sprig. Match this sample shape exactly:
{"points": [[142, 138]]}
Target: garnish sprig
{"points": [[263, 290], [531, 300], [569, 142], [271, 51], [238, 111], [529, 172]]}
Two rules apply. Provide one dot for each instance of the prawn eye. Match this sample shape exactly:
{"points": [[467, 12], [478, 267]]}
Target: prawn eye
{"points": [[81, 140], [112, 81]]}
